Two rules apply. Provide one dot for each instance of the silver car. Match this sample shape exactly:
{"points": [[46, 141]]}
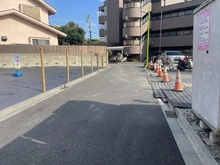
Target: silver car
{"points": [[169, 56]]}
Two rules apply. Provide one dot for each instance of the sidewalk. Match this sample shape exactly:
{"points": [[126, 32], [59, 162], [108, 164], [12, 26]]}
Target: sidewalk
{"points": [[110, 118], [181, 103]]}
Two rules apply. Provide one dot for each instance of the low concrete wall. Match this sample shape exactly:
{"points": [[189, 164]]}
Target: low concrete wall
{"points": [[33, 60]]}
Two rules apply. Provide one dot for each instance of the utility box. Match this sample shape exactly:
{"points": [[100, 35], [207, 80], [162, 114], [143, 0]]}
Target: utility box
{"points": [[206, 60]]}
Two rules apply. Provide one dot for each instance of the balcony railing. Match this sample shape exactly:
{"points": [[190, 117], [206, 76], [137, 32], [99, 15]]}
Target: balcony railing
{"points": [[132, 5], [131, 42], [131, 24]]}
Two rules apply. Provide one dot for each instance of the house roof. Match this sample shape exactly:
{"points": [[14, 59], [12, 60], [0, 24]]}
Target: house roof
{"points": [[50, 9], [32, 20]]}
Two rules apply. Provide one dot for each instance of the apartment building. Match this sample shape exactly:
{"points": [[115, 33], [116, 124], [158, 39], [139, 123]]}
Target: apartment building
{"points": [[171, 25]]}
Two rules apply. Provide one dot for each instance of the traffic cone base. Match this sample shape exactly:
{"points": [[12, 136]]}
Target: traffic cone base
{"points": [[178, 84]]}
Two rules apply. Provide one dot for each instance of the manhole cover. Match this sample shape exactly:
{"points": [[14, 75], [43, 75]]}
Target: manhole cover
{"points": [[171, 114]]}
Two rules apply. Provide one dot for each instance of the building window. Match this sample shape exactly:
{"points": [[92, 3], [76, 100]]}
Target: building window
{"points": [[181, 13], [166, 34], [174, 14], [180, 32], [174, 33], [40, 42], [166, 16], [187, 32], [189, 12]]}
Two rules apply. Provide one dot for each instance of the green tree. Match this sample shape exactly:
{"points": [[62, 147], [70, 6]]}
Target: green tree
{"points": [[75, 34], [94, 41]]}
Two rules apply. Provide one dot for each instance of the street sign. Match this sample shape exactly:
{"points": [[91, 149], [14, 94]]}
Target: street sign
{"points": [[17, 62]]}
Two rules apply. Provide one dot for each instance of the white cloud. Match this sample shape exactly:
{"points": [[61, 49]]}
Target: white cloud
{"points": [[102, 0]]}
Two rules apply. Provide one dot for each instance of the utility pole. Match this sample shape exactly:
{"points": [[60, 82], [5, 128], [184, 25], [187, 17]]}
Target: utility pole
{"points": [[90, 27]]}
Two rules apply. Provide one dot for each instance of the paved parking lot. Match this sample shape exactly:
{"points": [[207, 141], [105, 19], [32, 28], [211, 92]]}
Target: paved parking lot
{"points": [[16, 89]]}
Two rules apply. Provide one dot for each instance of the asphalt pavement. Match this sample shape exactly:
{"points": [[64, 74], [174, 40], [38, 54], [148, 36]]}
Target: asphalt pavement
{"points": [[108, 119], [16, 89]]}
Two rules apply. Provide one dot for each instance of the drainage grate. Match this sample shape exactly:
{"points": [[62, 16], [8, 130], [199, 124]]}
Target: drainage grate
{"points": [[171, 114]]}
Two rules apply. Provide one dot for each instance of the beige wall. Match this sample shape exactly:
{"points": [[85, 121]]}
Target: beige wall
{"points": [[20, 31], [170, 2], [15, 4], [33, 60]]}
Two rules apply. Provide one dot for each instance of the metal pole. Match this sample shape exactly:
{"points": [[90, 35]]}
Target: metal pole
{"points": [[91, 63], [42, 70], [148, 38], [161, 21], [82, 64], [67, 67], [141, 34]]}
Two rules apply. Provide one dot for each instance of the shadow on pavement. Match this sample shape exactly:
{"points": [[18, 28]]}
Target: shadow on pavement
{"points": [[86, 132]]}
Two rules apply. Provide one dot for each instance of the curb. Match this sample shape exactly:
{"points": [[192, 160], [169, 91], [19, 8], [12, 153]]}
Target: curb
{"points": [[21, 106], [198, 145]]}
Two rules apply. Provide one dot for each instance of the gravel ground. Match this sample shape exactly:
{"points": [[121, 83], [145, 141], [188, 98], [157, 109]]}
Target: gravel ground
{"points": [[215, 148]]}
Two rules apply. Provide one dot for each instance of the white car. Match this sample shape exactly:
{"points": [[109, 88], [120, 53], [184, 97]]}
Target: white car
{"points": [[169, 56]]}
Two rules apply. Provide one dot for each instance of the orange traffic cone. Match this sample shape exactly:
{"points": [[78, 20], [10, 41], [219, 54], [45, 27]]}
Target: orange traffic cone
{"points": [[157, 68], [165, 75], [151, 65], [160, 73], [178, 84]]}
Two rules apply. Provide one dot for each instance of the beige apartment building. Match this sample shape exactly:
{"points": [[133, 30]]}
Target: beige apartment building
{"points": [[123, 25], [27, 22]]}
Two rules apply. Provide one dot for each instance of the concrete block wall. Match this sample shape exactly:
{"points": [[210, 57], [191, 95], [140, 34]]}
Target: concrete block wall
{"points": [[33, 60]]}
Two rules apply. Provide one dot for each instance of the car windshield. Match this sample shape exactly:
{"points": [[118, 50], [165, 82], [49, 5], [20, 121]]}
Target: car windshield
{"points": [[174, 53]]}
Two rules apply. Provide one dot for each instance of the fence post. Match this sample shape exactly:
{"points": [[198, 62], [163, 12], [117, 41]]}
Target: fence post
{"points": [[42, 70], [98, 61], [106, 59], [82, 64], [102, 61], [91, 62], [67, 67]]}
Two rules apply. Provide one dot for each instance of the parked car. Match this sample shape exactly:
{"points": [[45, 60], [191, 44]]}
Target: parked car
{"points": [[169, 56]]}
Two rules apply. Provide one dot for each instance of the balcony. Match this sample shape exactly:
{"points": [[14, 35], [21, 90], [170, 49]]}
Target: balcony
{"points": [[183, 5], [131, 13], [102, 32], [102, 19], [132, 50], [172, 23], [173, 41], [101, 8], [131, 42], [131, 32]]}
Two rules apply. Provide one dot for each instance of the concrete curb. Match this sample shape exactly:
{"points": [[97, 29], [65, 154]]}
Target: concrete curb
{"points": [[198, 145], [19, 107]]}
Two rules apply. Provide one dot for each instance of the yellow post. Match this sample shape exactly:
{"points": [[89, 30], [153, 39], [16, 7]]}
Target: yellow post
{"points": [[91, 62], [67, 67], [42, 70], [82, 64], [148, 39], [102, 61], [98, 61]]}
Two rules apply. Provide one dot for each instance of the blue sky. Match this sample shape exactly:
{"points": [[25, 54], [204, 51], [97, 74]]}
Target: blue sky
{"points": [[77, 11]]}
